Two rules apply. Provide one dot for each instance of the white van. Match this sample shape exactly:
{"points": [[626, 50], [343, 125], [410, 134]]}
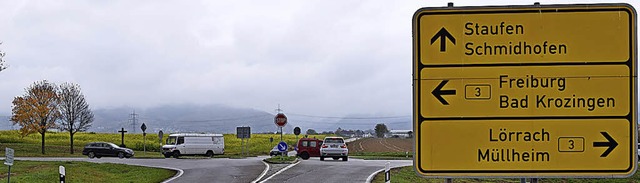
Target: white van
{"points": [[193, 144]]}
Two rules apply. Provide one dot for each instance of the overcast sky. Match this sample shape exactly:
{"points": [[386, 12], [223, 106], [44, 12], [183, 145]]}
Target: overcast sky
{"points": [[326, 58]]}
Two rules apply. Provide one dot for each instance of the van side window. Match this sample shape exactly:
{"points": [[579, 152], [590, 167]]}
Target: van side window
{"points": [[312, 143], [215, 140], [305, 143], [180, 140]]}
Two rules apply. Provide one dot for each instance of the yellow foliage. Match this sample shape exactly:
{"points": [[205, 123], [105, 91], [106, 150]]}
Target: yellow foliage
{"points": [[36, 111]]}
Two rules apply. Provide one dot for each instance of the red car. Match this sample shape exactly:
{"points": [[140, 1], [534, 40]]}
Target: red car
{"points": [[308, 147]]}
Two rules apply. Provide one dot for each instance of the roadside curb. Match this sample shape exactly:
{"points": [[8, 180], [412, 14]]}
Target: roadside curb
{"points": [[179, 174], [370, 178]]}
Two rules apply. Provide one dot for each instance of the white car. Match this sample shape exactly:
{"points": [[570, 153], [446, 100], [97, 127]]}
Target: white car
{"points": [[335, 148]]}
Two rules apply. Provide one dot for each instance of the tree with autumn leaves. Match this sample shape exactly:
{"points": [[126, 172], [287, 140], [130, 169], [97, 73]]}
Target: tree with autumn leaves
{"points": [[37, 110], [44, 104]]}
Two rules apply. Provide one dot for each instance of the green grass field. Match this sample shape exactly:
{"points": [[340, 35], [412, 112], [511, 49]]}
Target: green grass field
{"points": [[408, 175], [47, 171], [57, 143]]}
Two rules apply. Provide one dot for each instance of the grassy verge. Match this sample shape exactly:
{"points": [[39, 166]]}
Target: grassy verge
{"points": [[408, 175], [39, 171], [382, 155], [281, 159]]}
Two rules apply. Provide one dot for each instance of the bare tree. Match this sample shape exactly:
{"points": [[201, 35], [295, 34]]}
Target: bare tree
{"points": [[76, 116], [2, 64]]}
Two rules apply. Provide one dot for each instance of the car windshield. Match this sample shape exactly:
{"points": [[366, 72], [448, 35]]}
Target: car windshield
{"points": [[171, 140], [333, 140], [112, 145]]}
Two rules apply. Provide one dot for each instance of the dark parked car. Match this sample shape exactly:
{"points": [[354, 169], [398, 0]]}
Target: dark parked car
{"points": [[104, 149]]}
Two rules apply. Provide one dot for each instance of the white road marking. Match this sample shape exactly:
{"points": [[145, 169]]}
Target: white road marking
{"points": [[284, 169], [263, 172]]}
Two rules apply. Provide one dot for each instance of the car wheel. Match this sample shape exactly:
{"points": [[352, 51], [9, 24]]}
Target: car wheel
{"points": [[304, 155], [321, 158], [336, 158], [345, 158], [120, 155], [98, 157], [176, 154], [210, 154], [91, 155], [167, 155]]}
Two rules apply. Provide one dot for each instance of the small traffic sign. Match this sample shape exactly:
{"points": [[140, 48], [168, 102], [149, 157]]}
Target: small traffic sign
{"points": [[143, 127], [526, 91], [280, 120], [8, 156], [243, 132], [296, 130], [282, 146]]}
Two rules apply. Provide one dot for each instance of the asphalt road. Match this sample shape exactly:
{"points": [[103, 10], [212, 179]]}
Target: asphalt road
{"points": [[249, 169], [195, 170], [314, 170]]}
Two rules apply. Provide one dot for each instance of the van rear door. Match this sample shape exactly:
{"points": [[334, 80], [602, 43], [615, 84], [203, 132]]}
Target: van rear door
{"points": [[218, 145]]}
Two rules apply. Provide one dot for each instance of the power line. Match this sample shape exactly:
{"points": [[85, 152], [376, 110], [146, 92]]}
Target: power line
{"points": [[335, 117], [225, 119]]}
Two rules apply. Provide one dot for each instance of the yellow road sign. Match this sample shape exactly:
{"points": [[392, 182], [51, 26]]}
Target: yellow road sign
{"points": [[491, 147], [506, 35], [526, 91]]}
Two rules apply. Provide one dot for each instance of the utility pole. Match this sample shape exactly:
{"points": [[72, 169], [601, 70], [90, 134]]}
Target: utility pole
{"points": [[133, 120]]}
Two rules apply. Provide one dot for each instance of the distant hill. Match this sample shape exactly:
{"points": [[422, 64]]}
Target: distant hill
{"points": [[181, 118], [223, 119]]}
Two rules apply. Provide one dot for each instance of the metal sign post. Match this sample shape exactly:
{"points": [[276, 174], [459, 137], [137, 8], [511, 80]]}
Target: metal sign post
{"points": [[280, 120], [243, 132], [282, 147], [160, 136], [8, 161], [144, 136], [296, 131]]}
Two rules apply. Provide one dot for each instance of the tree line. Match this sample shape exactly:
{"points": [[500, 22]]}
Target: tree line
{"points": [[380, 129], [46, 105]]}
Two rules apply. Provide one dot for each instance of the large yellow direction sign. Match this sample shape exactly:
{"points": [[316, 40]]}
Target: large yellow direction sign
{"points": [[525, 91]]}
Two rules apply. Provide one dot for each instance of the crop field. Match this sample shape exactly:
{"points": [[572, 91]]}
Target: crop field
{"points": [[381, 145], [57, 143]]}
